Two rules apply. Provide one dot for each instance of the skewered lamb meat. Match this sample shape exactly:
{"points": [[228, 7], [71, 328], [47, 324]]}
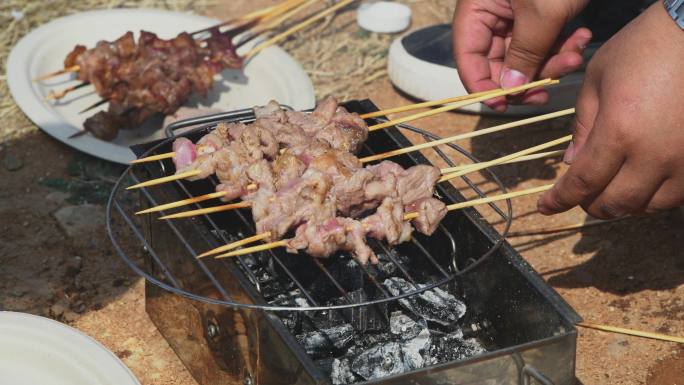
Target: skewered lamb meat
{"points": [[148, 77], [323, 238]]}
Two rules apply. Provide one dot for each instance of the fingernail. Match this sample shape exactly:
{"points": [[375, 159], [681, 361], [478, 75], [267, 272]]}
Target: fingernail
{"points": [[511, 78], [583, 41], [569, 155]]}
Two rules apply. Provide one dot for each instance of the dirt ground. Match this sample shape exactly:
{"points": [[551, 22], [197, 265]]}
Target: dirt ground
{"points": [[56, 261]]}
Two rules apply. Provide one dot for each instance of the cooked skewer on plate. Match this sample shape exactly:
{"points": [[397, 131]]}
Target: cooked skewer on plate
{"points": [[150, 76]]}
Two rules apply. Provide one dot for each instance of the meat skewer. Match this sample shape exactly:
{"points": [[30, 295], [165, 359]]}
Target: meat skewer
{"points": [[150, 76], [408, 216], [218, 194], [466, 100], [396, 121], [397, 152], [445, 177]]}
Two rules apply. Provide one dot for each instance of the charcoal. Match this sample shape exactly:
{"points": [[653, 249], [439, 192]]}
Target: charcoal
{"points": [[416, 350], [324, 342], [434, 305], [387, 267], [363, 318], [404, 327], [453, 347], [388, 358], [342, 373], [379, 361]]}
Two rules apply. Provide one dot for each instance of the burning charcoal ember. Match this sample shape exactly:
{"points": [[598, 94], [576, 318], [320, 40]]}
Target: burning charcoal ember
{"points": [[415, 337], [387, 266], [415, 349], [342, 373], [404, 327], [326, 341], [453, 347], [379, 361], [435, 305]]}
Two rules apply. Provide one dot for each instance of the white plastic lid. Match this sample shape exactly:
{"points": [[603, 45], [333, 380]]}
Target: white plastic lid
{"points": [[384, 17]]}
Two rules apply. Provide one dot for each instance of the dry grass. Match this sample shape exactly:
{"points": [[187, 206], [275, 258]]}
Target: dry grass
{"points": [[341, 58]]}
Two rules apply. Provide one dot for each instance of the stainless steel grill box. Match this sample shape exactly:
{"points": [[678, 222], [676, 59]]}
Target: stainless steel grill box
{"points": [[231, 321]]}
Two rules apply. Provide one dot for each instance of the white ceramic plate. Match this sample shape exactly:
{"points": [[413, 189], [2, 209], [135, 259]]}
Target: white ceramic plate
{"points": [[272, 74], [37, 350]]}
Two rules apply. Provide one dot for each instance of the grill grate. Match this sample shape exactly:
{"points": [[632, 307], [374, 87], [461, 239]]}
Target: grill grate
{"points": [[196, 228]]}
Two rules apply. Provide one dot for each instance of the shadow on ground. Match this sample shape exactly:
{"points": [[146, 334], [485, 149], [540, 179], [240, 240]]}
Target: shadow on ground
{"points": [[630, 256], [55, 257]]}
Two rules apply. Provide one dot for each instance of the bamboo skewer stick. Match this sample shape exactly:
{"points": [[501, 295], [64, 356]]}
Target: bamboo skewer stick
{"points": [[183, 202], [235, 245], [56, 95], [209, 210], [219, 194], [631, 332], [57, 73], [296, 28], [453, 106], [503, 159], [468, 135], [575, 226], [407, 216], [525, 158], [170, 178]]}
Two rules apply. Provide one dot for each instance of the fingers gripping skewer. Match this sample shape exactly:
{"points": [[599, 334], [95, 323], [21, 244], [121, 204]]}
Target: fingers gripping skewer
{"points": [[408, 216]]}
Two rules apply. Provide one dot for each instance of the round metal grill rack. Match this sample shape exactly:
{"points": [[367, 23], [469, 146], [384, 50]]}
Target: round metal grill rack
{"points": [[160, 266]]}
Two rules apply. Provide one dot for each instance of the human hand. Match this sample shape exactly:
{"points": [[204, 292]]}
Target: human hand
{"points": [[627, 155], [508, 43]]}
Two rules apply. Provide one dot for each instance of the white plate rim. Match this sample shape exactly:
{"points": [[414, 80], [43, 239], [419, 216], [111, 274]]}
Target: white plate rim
{"points": [[22, 88], [26, 320]]}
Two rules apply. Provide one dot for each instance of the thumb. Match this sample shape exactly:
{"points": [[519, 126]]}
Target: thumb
{"points": [[535, 31]]}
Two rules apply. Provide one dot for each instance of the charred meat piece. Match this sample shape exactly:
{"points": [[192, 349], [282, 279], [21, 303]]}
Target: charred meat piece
{"points": [[151, 76], [430, 211], [287, 167], [324, 238], [303, 199], [388, 223]]}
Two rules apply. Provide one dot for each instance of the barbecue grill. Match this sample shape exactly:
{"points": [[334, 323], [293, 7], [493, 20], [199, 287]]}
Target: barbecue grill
{"points": [[458, 307]]}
